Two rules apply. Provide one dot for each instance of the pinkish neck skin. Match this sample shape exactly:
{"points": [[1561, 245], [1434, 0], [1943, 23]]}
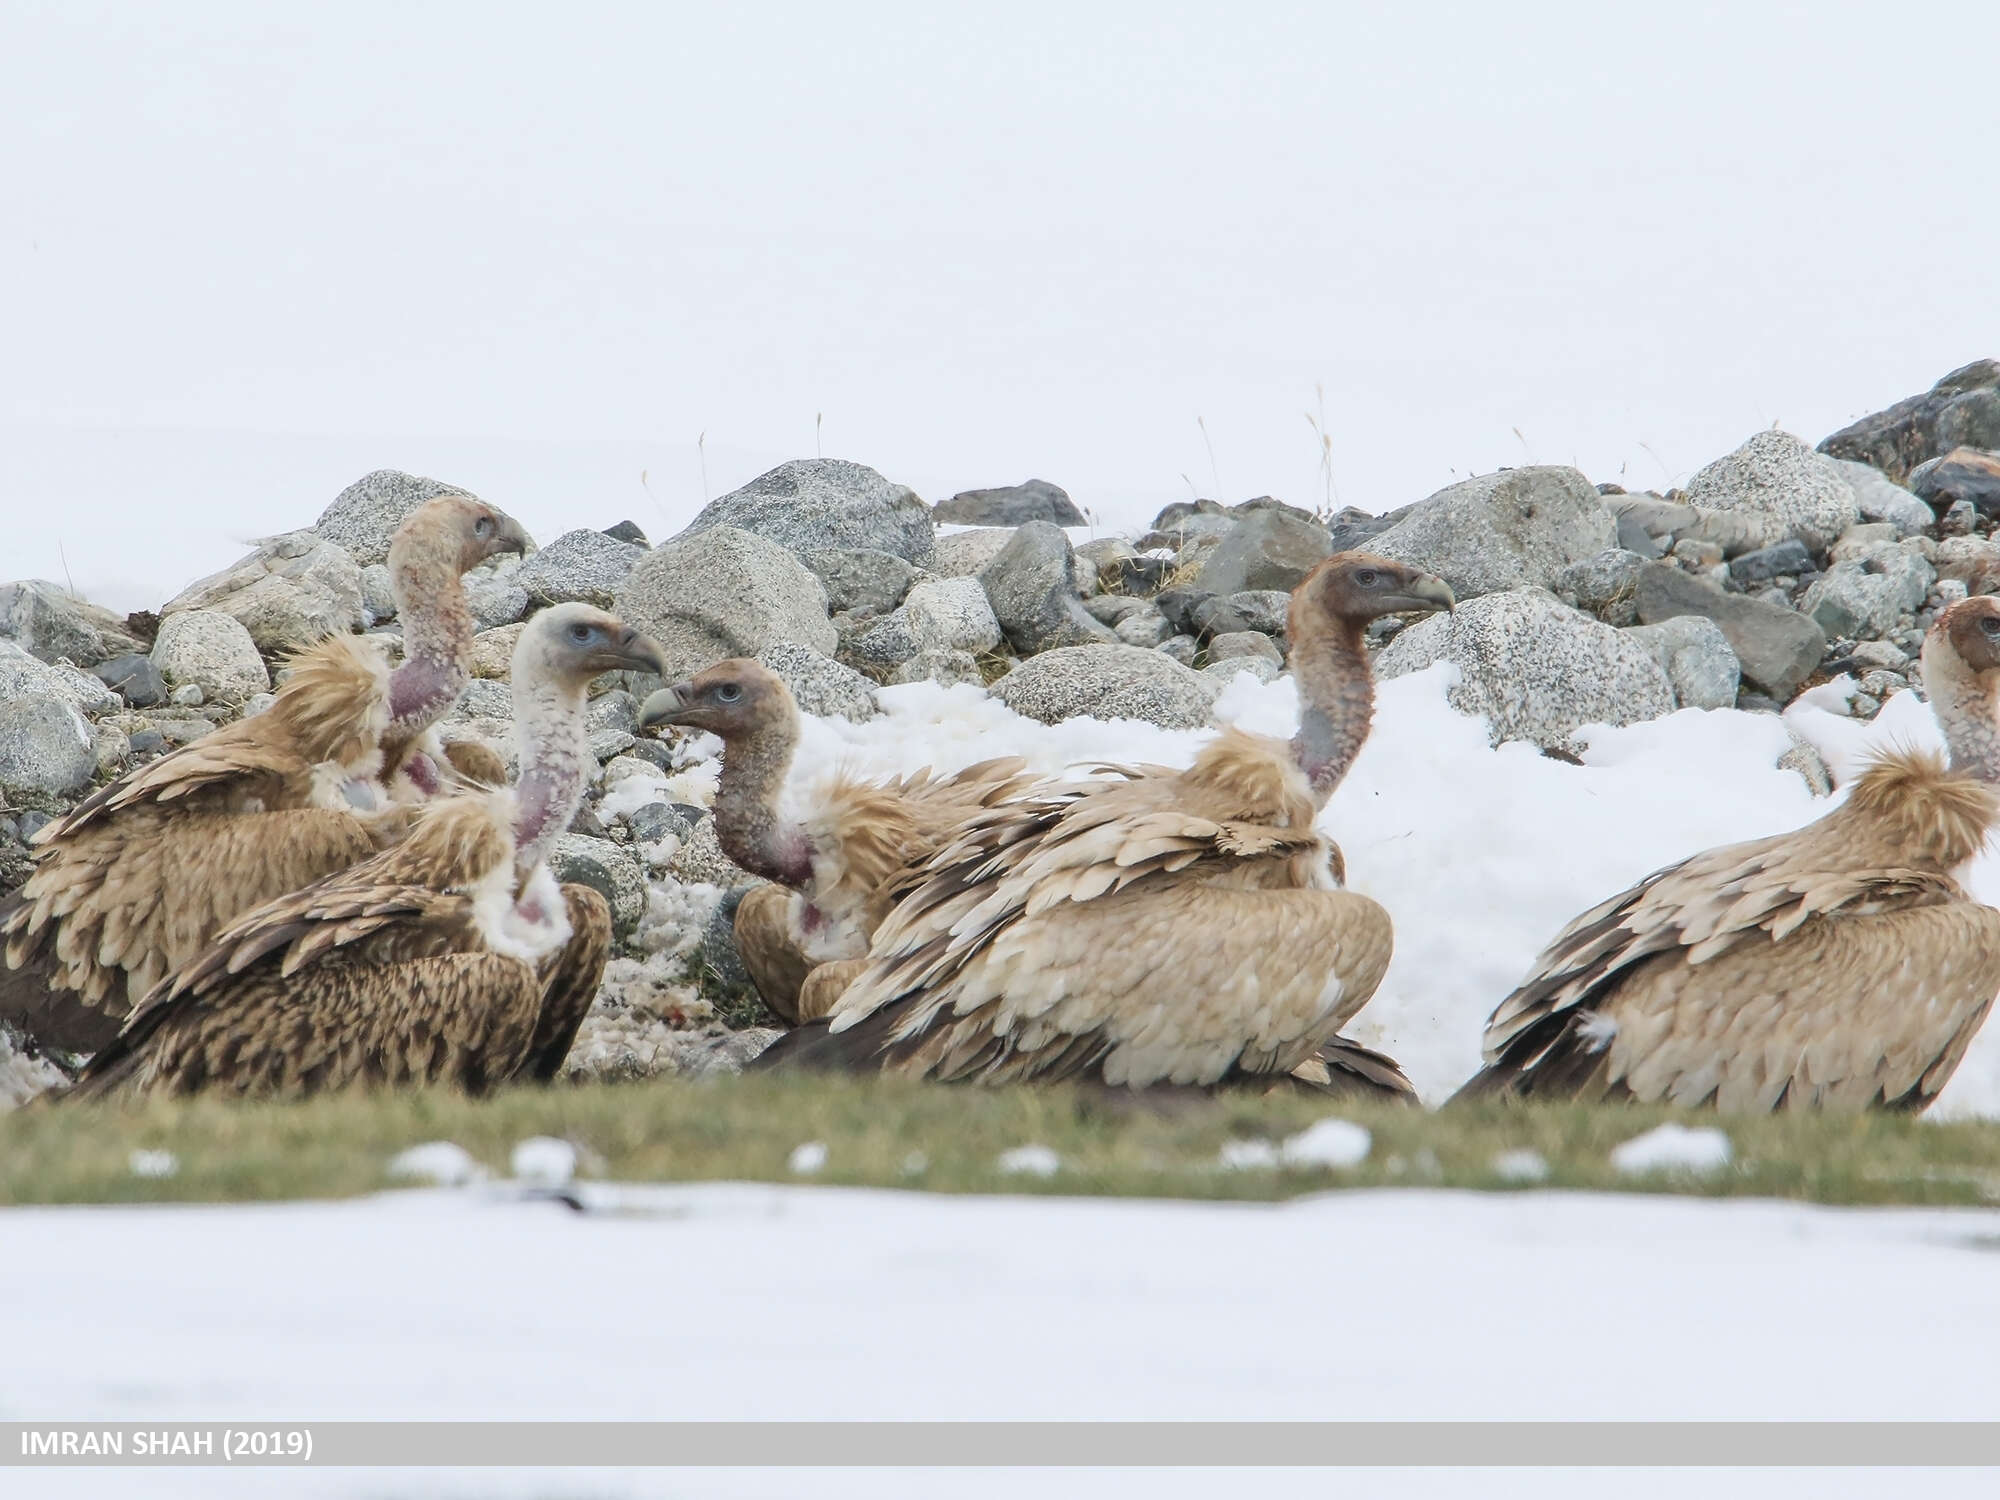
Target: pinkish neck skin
{"points": [[556, 764], [747, 824], [1336, 706], [437, 641]]}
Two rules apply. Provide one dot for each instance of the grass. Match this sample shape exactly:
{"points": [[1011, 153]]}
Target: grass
{"points": [[893, 1133]]}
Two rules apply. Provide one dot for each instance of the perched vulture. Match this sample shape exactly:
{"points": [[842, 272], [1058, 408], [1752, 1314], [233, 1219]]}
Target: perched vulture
{"points": [[1839, 967], [1159, 927], [450, 958], [145, 871], [836, 867]]}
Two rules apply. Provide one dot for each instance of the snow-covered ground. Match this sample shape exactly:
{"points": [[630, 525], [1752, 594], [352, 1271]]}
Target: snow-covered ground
{"points": [[1480, 854]]}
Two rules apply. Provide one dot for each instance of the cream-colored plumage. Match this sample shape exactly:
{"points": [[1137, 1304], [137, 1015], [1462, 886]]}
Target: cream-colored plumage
{"points": [[450, 957], [1838, 967], [1153, 927], [141, 874]]}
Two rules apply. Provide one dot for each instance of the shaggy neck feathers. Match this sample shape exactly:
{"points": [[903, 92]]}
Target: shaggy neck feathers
{"points": [[747, 822], [1336, 701]]}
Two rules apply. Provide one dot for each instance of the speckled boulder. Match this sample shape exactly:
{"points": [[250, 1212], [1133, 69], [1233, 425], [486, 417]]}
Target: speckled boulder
{"points": [[1108, 682], [494, 593], [1031, 586], [960, 553], [493, 651], [46, 747], [1866, 597], [1535, 668], [365, 515], [1775, 474], [212, 650], [952, 614], [820, 685], [1516, 529], [1778, 647], [1606, 585], [1880, 498], [1697, 656], [49, 624], [578, 566], [860, 578], [293, 590], [724, 592], [21, 674], [811, 504], [608, 869]]}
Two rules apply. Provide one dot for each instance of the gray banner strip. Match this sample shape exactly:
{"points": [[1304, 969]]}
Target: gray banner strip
{"points": [[1000, 1444]]}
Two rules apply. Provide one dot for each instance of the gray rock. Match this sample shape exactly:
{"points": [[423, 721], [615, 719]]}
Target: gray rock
{"points": [[952, 614], [1242, 643], [1606, 585], [213, 650], [1788, 558], [293, 590], [609, 870], [493, 651], [616, 709], [1180, 648], [1110, 556], [1964, 476], [821, 685], [1777, 475], [1352, 529], [656, 821], [1188, 529], [22, 674], [1880, 498], [723, 972], [813, 504], [857, 578], [483, 698], [1260, 667], [887, 643], [1866, 597], [147, 742], [1514, 529], [378, 601], [494, 594], [946, 668], [133, 678], [1647, 524], [46, 747], [1031, 587], [112, 749], [1266, 549], [963, 553], [627, 531], [1698, 659], [1535, 668], [1013, 505], [1108, 682], [189, 695], [1183, 607], [1144, 628], [578, 567], [1777, 647], [1109, 609], [256, 703], [365, 515], [724, 592], [1859, 541], [49, 624], [1898, 439], [1263, 609]]}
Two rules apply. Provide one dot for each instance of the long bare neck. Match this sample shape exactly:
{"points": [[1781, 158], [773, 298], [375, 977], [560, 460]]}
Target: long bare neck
{"points": [[556, 763], [747, 822], [1336, 703], [437, 640], [1963, 701]]}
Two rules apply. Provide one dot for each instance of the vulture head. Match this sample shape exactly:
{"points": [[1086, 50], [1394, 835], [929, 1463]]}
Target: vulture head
{"points": [[1970, 630], [1352, 588], [1961, 671], [572, 643], [735, 699], [454, 532]]}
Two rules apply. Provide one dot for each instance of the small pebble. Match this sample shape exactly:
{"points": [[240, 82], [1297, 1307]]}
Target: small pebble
{"points": [[807, 1158], [1035, 1161], [188, 695], [1239, 1156], [154, 1164]]}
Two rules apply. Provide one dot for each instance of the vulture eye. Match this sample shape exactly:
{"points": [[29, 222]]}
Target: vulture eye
{"points": [[1367, 577], [483, 527], [581, 633], [727, 692], [1990, 624]]}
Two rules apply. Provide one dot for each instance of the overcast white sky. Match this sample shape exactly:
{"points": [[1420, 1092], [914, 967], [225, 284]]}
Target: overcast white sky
{"points": [[248, 253]]}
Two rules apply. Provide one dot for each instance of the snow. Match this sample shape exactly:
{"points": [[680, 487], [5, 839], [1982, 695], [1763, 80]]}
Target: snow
{"points": [[1327, 1143], [543, 1161], [153, 1164], [1699, 1150], [807, 1158], [1523, 1164], [1480, 854], [1030, 1161], [444, 1163]]}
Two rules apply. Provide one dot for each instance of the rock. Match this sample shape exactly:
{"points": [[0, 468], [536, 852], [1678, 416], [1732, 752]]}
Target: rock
{"points": [[112, 750], [627, 531], [1109, 609], [50, 625], [1963, 475], [22, 674], [1883, 656], [813, 504], [616, 709], [1775, 474], [1806, 760], [1144, 628], [365, 515], [1182, 608], [857, 578], [607, 869], [494, 594], [1697, 657], [720, 961], [256, 703], [1031, 587], [1959, 519], [492, 653], [213, 650], [1777, 647], [1241, 643], [1535, 668], [1108, 682], [1788, 558], [293, 590], [1606, 585], [1514, 529], [821, 685], [483, 698], [1697, 556], [952, 614], [148, 742], [1858, 541], [656, 821], [1898, 439], [578, 567], [1014, 505], [887, 643], [1109, 555], [1218, 614], [1180, 648], [1259, 667], [724, 592], [133, 678], [946, 668], [24, 1071], [188, 695], [1880, 498], [1866, 598], [1353, 529], [1266, 549], [963, 553], [46, 747], [378, 601]]}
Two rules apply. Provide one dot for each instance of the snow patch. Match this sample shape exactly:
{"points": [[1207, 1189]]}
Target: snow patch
{"points": [[154, 1164], [544, 1161], [1699, 1150], [1329, 1143], [440, 1163], [1030, 1161], [807, 1158], [1522, 1165]]}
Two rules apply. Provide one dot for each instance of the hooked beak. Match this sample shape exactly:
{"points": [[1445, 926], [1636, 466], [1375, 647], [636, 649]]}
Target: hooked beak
{"points": [[634, 652], [513, 537], [666, 706], [1430, 593]]}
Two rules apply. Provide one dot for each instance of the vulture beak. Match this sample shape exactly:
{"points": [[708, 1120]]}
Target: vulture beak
{"points": [[1429, 593], [513, 537], [664, 707], [634, 652]]}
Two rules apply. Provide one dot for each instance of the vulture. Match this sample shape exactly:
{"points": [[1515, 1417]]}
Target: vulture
{"points": [[450, 958], [1839, 967], [140, 875], [835, 869], [1156, 927]]}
